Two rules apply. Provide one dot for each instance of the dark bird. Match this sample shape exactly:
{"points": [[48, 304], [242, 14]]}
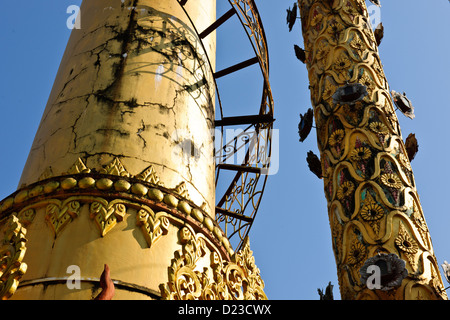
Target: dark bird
{"points": [[291, 16], [314, 164], [411, 145], [376, 2], [305, 124], [403, 103], [328, 295], [300, 53], [379, 33]]}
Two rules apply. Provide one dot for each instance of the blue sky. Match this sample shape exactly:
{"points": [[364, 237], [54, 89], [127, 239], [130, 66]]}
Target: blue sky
{"points": [[290, 237]]}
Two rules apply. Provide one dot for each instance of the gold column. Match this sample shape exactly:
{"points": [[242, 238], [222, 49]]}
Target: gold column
{"points": [[373, 204], [121, 171]]}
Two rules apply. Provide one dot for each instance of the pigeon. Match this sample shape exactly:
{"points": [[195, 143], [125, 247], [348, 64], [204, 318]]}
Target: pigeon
{"points": [[376, 2], [328, 295], [403, 103], [379, 33], [314, 164], [411, 146], [291, 16], [300, 53], [305, 124]]}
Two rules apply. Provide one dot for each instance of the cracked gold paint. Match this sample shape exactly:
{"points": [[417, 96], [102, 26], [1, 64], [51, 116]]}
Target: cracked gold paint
{"points": [[373, 204], [134, 83], [123, 156]]}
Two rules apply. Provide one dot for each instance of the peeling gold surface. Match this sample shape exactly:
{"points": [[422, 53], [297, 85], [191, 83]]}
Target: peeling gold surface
{"points": [[123, 156], [133, 84]]}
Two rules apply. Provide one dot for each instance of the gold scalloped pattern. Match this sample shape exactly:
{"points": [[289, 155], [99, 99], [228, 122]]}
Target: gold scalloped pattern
{"points": [[368, 180]]}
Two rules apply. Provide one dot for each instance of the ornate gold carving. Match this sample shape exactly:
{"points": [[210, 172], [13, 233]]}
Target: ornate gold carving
{"points": [[95, 190], [116, 168], [78, 167], [59, 214], [149, 175], [26, 216], [368, 180], [12, 252], [407, 245], [238, 279], [154, 226], [181, 189], [107, 214]]}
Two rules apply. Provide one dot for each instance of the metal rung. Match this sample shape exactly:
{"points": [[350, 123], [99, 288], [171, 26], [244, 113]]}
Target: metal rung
{"points": [[239, 168], [236, 67], [233, 214], [217, 23], [231, 121]]}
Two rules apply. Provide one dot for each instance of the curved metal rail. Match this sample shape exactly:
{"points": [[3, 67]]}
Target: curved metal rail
{"points": [[237, 207]]}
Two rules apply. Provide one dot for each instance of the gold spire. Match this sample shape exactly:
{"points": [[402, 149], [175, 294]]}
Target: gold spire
{"points": [[373, 205], [108, 180]]}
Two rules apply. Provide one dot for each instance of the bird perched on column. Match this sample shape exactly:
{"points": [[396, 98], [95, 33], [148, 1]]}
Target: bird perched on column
{"points": [[314, 164], [328, 295], [379, 33], [300, 53], [291, 16], [305, 124], [403, 103], [411, 146]]}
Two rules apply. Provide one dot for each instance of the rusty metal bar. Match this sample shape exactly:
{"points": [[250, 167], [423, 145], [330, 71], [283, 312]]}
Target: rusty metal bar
{"points": [[239, 168], [233, 214], [253, 119], [236, 67], [217, 23]]}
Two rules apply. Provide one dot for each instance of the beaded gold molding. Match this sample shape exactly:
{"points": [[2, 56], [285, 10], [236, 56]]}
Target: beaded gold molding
{"points": [[109, 193]]}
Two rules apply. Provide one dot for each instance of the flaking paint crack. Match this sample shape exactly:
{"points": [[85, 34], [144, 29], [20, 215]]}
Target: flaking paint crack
{"points": [[139, 131]]}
